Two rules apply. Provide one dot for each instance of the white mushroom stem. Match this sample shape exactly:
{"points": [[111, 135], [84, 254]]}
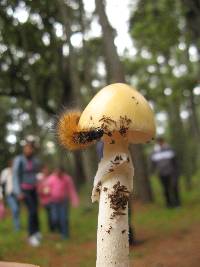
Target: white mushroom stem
{"points": [[112, 185]]}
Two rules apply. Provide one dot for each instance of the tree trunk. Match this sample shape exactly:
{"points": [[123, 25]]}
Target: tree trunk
{"points": [[31, 86], [87, 64], [178, 140], [143, 188], [90, 162], [74, 84], [193, 116], [192, 15], [115, 73], [89, 156]]}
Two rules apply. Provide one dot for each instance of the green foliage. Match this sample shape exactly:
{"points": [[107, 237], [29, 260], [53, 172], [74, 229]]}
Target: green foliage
{"points": [[151, 24]]}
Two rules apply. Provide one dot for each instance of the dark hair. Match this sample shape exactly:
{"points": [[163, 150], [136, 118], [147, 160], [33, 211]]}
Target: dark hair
{"points": [[29, 143], [60, 168]]}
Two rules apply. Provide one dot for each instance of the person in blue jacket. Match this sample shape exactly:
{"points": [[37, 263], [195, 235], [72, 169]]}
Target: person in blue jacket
{"points": [[25, 169]]}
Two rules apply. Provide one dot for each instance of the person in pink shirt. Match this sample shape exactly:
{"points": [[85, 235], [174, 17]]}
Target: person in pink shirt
{"points": [[43, 190], [62, 190]]}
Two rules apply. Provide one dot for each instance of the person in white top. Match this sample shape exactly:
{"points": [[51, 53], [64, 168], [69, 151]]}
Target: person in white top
{"points": [[13, 203]]}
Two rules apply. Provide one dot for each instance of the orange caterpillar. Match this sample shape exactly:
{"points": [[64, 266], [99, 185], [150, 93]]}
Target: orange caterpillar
{"points": [[69, 134]]}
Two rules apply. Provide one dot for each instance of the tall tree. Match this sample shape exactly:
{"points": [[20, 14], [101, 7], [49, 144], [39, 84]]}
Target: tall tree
{"points": [[67, 18]]}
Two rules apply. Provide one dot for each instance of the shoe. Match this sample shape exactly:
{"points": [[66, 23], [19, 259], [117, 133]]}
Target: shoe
{"points": [[33, 241]]}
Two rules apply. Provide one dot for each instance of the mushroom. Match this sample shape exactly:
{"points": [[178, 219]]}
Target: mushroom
{"points": [[119, 115]]}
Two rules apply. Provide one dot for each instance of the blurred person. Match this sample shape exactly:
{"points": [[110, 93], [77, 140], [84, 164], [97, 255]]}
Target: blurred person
{"points": [[2, 189], [44, 194], [2, 207], [62, 190], [164, 162], [11, 198], [25, 169]]}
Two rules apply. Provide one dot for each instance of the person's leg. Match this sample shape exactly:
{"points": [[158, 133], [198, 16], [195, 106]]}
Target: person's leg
{"points": [[31, 204], [3, 186], [49, 218], [165, 181], [175, 192], [54, 215], [28, 204], [64, 219], [14, 206], [35, 218]]}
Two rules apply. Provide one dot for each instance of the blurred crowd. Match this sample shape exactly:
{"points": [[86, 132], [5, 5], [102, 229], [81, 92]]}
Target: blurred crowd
{"points": [[26, 180]]}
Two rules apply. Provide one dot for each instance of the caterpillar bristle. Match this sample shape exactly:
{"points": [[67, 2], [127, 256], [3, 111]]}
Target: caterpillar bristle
{"points": [[67, 128]]}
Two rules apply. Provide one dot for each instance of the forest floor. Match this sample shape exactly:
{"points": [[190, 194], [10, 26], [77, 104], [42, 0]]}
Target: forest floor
{"points": [[182, 249], [170, 237]]}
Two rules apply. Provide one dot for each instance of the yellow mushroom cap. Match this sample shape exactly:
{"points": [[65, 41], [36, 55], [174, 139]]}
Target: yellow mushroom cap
{"points": [[119, 109]]}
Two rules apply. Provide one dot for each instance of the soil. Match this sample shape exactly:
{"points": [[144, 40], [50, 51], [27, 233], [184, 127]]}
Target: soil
{"points": [[180, 250]]}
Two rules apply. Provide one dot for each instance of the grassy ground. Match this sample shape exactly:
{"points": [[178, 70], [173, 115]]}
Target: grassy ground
{"points": [[161, 229]]}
